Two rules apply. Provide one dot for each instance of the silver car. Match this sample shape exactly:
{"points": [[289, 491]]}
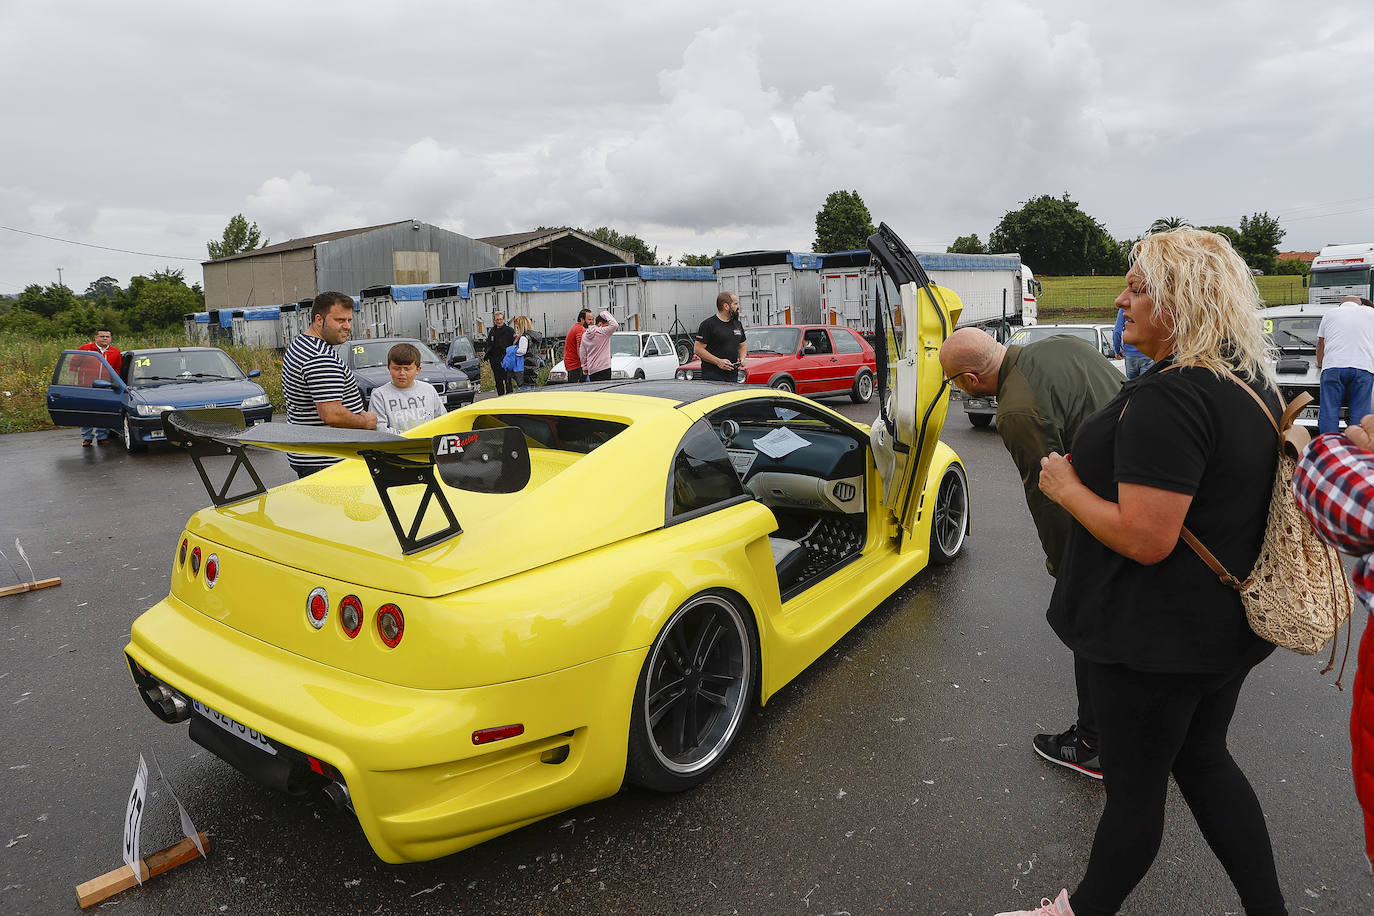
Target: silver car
{"points": [[981, 410]]}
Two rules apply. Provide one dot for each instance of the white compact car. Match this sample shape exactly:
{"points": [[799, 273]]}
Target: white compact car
{"points": [[1292, 332], [634, 354]]}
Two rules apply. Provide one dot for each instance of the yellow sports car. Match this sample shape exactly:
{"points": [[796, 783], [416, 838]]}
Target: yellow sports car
{"points": [[522, 604]]}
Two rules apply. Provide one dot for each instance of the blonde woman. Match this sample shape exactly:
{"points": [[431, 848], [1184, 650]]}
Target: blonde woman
{"points": [[527, 345], [1166, 645]]}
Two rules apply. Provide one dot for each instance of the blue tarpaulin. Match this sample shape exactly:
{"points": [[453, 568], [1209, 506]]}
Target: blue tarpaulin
{"points": [[262, 313], [800, 260], [930, 260], [528, 279], [665, 272], [202, 317]]}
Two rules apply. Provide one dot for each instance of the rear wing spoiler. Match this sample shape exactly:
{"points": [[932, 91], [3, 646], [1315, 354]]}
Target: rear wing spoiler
{"points": [[487, 461]]}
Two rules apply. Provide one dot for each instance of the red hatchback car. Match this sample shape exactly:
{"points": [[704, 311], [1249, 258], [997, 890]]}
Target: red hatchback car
{"points": [[811, 359]]}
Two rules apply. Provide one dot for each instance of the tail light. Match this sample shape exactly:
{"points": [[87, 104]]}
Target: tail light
{"points": [[351, 615], [195, 561], [211, 570], [317, 608], [391, 624], [181, 557]]}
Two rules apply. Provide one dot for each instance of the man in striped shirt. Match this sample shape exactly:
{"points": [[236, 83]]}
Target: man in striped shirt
{"points": [[320, 390]]}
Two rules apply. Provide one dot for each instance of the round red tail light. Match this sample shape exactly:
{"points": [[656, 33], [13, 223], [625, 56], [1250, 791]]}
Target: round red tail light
{"points": [[317, 607], [181, 557], [211, 570], [351, 615], [391, 624], [195, 561]]}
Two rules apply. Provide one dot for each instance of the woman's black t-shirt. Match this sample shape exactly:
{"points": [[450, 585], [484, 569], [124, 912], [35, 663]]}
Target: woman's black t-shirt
{"points": [[1187, 431]]}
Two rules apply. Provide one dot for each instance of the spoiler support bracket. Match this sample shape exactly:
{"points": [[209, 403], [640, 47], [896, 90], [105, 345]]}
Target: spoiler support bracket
{"points": [[388, 471]]}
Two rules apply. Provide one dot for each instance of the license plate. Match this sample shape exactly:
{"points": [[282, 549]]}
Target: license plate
{"points": [[156, 434], [1308, 413], [236, 729], [974, 402]]}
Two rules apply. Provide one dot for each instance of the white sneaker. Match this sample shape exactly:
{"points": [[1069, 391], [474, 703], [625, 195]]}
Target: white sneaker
{"points": [[1057, 907]]}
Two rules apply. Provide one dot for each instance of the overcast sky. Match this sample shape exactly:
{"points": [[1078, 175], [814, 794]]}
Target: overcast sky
{"points": [[704, 125]]}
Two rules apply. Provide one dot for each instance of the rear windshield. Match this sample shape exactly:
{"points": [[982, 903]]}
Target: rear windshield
{"points": [[1031, 335], [566, 434], [462, 348], [366, 354]]}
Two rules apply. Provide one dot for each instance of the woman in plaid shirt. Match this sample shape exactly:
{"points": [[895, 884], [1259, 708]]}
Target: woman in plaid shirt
{"points": [[1334, 486]]}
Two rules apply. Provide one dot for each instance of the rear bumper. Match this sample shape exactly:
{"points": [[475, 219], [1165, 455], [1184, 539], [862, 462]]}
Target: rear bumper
{"points": [[420, 788]]}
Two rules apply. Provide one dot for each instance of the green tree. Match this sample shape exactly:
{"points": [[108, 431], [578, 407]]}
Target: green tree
{"points": [[1260, 235], [1296, 267], [843, 223], [48, 300], [1231, 234], [699, 260], [23, 321], [635, 245], [87, 318], [104, 288], [1056, 238], [239, 236], [159, 303], [968, 244], [1165, 223]]}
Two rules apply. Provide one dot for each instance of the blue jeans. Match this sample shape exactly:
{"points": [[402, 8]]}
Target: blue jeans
{"points": [[93, 432], [1343, 385], [1137, 366]]}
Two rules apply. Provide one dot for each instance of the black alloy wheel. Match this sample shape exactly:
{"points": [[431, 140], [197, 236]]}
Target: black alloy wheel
{"points": [[949, 526], [693, 695]]}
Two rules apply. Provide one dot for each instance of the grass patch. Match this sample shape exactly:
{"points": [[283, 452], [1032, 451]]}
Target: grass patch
{"points": [[26, 365], [1091, 300]]}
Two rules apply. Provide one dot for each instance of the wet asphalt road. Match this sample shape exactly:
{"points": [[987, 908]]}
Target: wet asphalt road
{"points": [[894, 776]]}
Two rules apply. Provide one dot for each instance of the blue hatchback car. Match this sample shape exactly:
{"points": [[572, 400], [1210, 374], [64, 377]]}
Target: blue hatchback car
{"points": [[85, 391]]}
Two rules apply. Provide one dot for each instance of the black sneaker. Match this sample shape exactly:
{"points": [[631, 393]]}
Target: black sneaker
{"points": [[1068, 750]]}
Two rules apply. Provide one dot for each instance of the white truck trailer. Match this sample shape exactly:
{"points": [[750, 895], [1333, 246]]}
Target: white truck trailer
{"points": [[446, 313], [1339, 271], [645, 297], [259, 326], [550, 296], [992, 287], [397, 310], [774, 287]]}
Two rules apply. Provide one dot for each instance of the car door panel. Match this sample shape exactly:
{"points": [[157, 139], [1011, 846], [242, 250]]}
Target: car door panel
{"points": [[905, 434], [73, 399]]}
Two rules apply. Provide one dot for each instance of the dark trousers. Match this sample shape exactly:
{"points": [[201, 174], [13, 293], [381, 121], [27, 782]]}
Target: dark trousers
{"points": [[602, 375], [575, 375], [1087, 718], [1153, 725], [504, 383]]}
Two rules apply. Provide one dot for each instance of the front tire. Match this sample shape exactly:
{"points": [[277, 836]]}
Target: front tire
{"points": [[693, 695], [783, 384], [863, 388], [980, 420], [949, 526], [131, 443]]}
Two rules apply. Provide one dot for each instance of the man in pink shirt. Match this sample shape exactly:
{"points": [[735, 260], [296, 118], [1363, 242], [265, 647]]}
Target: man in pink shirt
{"points": [[596, 348]]}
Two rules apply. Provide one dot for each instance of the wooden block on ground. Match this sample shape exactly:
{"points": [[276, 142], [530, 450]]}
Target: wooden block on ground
{"points": [[30, 586], [107, 885]]}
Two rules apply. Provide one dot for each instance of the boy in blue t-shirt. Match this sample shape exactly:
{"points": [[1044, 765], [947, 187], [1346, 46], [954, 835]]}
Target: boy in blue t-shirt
{"points": [[402, 405]]}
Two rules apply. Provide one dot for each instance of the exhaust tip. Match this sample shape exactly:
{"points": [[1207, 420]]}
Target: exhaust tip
{"points": [[338, 793]]}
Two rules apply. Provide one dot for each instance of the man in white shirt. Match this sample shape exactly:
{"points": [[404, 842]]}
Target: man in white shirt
{"points": [[1345, 356]]}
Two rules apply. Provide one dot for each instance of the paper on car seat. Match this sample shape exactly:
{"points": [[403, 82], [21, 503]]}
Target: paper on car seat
{"points": [[780, 443]]}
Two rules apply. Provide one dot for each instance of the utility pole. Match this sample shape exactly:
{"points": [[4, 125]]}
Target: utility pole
{"points": [[59, 276]]}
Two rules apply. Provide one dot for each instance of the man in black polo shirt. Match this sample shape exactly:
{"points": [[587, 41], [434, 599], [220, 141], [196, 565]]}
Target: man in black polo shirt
{"points": [[320, 390], [720, 341]]}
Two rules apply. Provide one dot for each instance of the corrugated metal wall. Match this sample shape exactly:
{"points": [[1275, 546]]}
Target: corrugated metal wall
{"points": [[391, 254], [370, 259]]}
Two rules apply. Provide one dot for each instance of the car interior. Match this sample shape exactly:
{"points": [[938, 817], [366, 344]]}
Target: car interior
{"points": [[810, 473]]}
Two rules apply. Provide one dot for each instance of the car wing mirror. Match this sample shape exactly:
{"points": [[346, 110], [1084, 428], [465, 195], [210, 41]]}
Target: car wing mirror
{"points": [[102, 383], [255, 373], [483, 460]]}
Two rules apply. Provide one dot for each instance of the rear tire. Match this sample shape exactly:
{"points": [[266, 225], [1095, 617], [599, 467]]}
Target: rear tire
{"points": [[693, 695], [684, 352], [862, 392], [979, 419], [949, 526]]}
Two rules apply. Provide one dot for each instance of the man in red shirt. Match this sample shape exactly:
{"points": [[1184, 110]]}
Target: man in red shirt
{"points": [[102, 345], [572, 358]]}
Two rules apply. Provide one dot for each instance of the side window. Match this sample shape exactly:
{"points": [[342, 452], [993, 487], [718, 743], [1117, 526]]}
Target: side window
{"points": [[702, 475], [651, 346], [79, 369], [665, 347], [817, 341], [846, 342]]}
